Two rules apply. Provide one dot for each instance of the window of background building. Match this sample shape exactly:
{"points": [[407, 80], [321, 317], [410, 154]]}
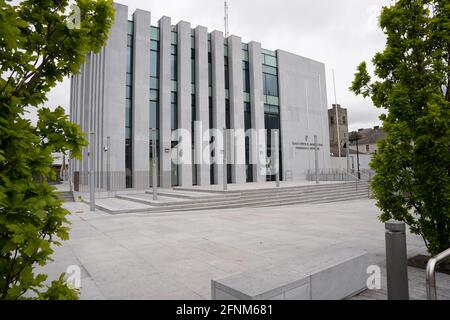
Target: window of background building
{"points": [[129, 108]]}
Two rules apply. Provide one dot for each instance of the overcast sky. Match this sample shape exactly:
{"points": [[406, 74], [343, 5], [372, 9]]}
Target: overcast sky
{"points": [[339, 33]]}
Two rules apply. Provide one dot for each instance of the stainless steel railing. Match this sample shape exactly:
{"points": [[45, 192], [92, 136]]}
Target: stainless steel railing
{"points": [[431, 273], [368, 177], [330, 175]]}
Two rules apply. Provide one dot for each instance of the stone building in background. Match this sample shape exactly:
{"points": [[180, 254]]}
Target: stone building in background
{"points": [[343, 130], [367, 140]]}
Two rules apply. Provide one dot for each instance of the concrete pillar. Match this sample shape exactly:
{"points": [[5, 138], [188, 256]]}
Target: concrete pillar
{"points": [[102, 137], [202, 104], [218, 97], [114, 91], [141, 97], [87, 114], [237, 141], [76, 114], [184, 102], [165, 85], [257, 141]]}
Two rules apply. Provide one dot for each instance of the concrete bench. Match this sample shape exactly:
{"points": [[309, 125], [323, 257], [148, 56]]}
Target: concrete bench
{"points": [[331, 274]]}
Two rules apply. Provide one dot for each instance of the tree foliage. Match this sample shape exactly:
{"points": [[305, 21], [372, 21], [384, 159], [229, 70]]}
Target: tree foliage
{"points": [[38, 48], [412, 182]]}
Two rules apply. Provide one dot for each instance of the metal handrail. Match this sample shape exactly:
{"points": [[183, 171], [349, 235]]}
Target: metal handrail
{"points": [[369, 180], [431, 273], [357, 180]]}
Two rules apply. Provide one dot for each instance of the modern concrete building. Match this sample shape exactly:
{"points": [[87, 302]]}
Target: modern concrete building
{"points": [[164, 76], [342, 120]]}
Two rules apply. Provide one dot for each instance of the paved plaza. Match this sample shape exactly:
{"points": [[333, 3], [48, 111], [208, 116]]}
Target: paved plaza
{"points": [[176, 255]]}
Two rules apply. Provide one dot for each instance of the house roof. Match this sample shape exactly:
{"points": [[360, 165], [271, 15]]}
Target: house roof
{"points": [[369, 136]]}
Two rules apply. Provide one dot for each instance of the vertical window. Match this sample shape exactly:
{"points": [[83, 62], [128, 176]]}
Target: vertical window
{"points": [[174, 113], [246, 76], [129, 109], [270, 74], [173, 63], [194, 118], [154, 100], [272, 122], [248, 125], [209, 69], [193, 107], [193, 62], [227, 74]]}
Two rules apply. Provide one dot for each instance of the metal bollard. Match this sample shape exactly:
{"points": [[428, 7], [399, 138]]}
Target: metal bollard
{"points": [[396, 261], [92, 172]]}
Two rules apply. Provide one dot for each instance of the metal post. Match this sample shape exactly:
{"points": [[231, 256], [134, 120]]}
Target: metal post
{"points": [[70, 175], [108, 163], [348, 154], [316, 152], [357, 156], [396, 261], [91, 172], [154, 169], [225, 160], [431, 273], [276, 156]]}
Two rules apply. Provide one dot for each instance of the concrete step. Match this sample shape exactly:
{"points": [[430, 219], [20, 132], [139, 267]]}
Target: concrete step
{"points": [[187, 200], [266, 189], [232, 199], [66, 196], [165, 201], [284, 191], [189, 194], [295, 193], [362, 195]]}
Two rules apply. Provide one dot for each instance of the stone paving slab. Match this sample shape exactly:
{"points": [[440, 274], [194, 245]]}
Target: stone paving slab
{"points": [[116, 205], [176, 255]]}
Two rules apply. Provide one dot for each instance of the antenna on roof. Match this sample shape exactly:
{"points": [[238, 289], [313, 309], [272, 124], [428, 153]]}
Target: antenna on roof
{"points": [[226, 19]]}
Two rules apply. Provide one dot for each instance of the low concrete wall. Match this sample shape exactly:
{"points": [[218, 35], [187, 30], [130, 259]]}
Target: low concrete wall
{"points": [[339, 163], [364, 160], [331, 275]]}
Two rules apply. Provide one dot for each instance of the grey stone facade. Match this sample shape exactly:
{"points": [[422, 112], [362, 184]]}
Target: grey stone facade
{"points": [[98, 100], [342, 118]]}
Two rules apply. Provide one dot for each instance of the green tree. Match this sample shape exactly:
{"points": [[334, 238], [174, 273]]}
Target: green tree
{"points": [[412, 83], [38, 48]]}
